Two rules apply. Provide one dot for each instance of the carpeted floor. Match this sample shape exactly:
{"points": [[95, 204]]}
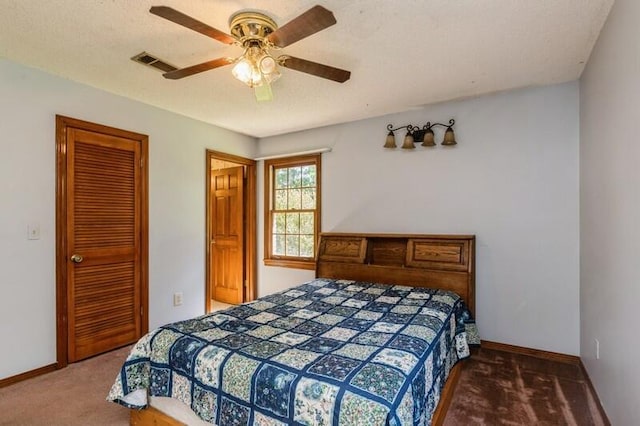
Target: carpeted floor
{"points": [[495, 388], [500, 388], [73, 396]]}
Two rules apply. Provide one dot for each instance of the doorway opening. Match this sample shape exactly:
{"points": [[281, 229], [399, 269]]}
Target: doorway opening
{"points": [[230, 230]]}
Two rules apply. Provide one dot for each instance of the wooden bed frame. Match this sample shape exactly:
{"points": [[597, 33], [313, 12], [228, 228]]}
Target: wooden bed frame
{"points": [[418, 260]]}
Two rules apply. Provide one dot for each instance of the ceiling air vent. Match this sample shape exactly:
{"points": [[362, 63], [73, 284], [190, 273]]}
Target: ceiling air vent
{"points": [[146, 59]]}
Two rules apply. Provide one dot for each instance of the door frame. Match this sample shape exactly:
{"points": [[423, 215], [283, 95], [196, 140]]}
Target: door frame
{"points": [[62, 123], [250, 225]]}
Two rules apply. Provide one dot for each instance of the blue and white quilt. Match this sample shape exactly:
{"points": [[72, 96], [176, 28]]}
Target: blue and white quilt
{"points": [[329, 352]]}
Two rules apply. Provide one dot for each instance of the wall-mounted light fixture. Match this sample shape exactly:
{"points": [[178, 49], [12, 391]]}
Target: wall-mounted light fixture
{"points": [[425, 135]]}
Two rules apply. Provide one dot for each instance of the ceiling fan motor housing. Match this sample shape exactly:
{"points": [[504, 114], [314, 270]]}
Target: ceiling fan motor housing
{"points": [[251, 27]]}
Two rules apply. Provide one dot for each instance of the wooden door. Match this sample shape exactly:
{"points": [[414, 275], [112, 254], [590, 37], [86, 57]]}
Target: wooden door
{"points": [[227, 235], [104, 247]]}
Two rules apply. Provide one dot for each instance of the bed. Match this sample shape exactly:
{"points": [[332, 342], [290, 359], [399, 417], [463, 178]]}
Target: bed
{"points": [[372, 341]]}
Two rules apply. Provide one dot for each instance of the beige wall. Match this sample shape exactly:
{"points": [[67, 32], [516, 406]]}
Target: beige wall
{"points": [[610, 213], [512, 180], [29, 101]]}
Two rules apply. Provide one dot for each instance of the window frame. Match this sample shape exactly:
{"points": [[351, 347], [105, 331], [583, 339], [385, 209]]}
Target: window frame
{"points": [[269, 194]]}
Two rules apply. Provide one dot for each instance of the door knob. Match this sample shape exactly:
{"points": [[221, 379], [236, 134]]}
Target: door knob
{"points": [[76, 258]]}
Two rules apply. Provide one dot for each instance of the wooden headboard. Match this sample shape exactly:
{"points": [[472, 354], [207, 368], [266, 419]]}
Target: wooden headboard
{"points": [[435, 261]]}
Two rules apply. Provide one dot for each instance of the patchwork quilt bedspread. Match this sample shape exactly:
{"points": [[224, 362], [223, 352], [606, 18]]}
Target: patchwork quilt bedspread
{"points": [[328, 352]]}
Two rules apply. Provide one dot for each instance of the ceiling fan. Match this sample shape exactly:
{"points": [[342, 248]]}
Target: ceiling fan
{"points": [[258, 34]]}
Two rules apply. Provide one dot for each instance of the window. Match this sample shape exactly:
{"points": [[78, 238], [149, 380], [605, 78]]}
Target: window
{"points": [[292, 211]]}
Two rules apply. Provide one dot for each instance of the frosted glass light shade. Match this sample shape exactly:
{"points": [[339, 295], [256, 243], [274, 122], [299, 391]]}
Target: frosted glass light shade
{"points": [[408, 142], [391, 141]]}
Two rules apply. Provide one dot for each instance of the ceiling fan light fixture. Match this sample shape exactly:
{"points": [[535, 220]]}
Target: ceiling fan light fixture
{"points": [[256, 67], [269, 68], [268, 64], [246, 68], [246, 72]]}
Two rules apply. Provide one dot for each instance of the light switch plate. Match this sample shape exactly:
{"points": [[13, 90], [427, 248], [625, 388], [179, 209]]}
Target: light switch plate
{"points": [[33, 231]]}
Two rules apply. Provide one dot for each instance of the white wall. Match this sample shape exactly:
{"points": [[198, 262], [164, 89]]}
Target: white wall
{"points": [[610, 213], [512, 180], [29, 101]]}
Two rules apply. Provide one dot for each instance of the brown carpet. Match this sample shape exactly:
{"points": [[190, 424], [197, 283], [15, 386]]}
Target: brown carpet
{"points": [[495, 388], [500, 388], [72, 396]]}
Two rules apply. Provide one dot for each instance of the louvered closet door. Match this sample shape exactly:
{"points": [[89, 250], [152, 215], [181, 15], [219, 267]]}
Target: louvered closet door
{"points": [[103, 237]]}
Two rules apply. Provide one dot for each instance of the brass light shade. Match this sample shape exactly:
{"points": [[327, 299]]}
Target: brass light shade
{"points": [[449, 138], [428, 138], [408, 142], [391, 141]]}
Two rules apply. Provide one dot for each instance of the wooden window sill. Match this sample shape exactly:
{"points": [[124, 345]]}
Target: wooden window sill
{"points": [[289, 263]]}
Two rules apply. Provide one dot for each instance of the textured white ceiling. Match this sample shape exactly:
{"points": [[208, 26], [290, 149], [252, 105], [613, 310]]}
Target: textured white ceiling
{"points": [[401, 53]]}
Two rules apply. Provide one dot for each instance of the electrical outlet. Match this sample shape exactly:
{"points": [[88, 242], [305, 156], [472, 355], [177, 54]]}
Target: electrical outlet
{"points": [[177, 299], [597, 342]]}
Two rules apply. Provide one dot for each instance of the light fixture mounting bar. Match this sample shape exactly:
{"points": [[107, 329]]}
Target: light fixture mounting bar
{"points": [[417, 132]]}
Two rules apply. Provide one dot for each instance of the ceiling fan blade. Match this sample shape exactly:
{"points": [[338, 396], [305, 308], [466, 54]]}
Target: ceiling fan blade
{"points": [[195, 69], [191, 23], [310, 22], [320, 70]]}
